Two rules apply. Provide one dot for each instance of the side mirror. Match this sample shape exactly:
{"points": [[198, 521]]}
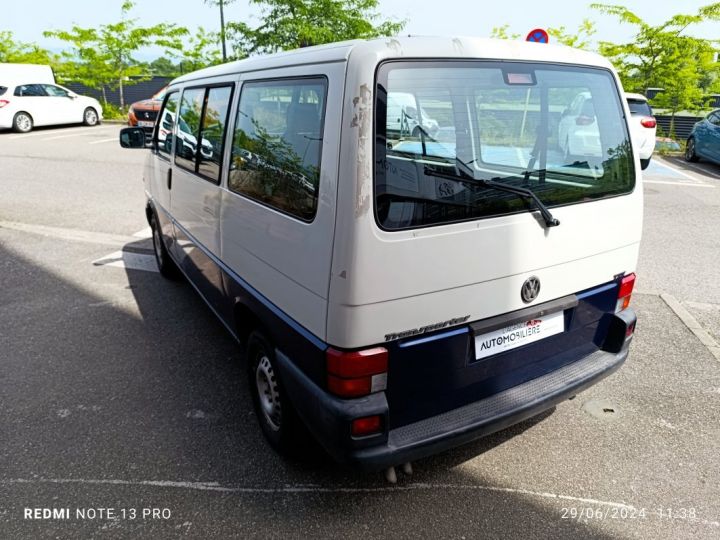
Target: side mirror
{"points": [[644, 164], [132, 137]]}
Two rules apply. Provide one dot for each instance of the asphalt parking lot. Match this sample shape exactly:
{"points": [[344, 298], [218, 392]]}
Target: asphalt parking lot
{"points": [[119, 389]]}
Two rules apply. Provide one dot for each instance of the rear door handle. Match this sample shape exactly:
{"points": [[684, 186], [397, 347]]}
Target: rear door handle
{"points": [[169, 179]]}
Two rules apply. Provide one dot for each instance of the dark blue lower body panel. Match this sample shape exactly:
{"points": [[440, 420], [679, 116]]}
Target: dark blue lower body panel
{"points": [[439, 395], [328, 418]]}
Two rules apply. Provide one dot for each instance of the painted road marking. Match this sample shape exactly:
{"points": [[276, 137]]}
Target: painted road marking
{"points": [[129, 260], [39, 134], [104, 141], [305, 488], [144, 233], [704, 171], [70, 234], [686, 184]]}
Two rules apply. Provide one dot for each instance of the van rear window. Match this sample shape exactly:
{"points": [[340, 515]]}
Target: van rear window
{"points": [[441, 127]]}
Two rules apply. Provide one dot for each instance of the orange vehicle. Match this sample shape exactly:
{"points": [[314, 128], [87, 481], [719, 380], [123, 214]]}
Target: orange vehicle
{"points": [[143, 113]]}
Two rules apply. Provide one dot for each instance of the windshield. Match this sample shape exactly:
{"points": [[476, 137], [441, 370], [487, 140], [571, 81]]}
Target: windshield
{"points": [[556, 130]]}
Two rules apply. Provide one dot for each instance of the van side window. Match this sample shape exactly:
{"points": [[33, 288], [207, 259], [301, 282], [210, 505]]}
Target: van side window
{"points": [[213, 131], [188, 128], [277, 144], [166, 124]]}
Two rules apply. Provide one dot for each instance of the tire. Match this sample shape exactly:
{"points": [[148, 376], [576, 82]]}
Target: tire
{"points": [[22, 122], [279, 422], [690, 154], [90, 117], [167, 267]]}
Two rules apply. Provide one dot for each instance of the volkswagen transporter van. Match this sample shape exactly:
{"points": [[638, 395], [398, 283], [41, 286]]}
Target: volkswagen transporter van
{"points": [[402, 292]]}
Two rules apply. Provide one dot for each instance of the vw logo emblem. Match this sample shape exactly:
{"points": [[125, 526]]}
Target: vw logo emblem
{"points": [[147, 115], [530, 289]]}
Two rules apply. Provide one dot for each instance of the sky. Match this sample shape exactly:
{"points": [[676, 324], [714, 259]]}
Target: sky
{"points": [[457, 17]]}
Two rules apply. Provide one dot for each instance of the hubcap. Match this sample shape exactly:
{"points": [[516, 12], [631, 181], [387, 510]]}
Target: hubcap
{"points": [[23, 122], [90, 117], [268, 392]]}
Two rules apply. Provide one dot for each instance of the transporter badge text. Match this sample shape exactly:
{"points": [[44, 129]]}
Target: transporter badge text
{"points": [[424, 329]]}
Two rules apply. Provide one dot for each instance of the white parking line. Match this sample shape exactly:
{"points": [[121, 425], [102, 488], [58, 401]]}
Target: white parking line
{"points": [[704, 171], [677, 171], [686, 184], [333, 490], [69, 234], [144, 233], [129, 260], [79, 133], [104, 141], [39, 134]]}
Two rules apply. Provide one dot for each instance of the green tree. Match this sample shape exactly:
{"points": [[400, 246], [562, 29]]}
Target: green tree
{"points": [[24, 53], [163, 67], [197, 52], [104, 55], [503, 32], [290, 24], [579, 40], [665, 56]]}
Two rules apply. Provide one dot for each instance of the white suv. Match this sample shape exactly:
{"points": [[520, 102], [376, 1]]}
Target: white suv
{"points": [[642, 126], [23, 106]]}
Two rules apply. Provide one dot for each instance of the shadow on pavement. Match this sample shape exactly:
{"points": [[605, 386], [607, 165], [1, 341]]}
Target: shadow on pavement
{"points": [[147, 386]]}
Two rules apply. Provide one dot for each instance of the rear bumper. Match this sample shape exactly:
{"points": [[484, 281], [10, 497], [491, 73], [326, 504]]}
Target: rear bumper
{"points": [[328, 417]]}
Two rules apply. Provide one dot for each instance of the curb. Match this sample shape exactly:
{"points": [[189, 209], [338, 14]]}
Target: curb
{"points": [[692, 324]]}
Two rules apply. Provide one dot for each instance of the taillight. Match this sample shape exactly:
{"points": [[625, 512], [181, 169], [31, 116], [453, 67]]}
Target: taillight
{"points": [[583, 120], [367, 425], [3, 102], [357, 373], [626, 287], [648, 122]]}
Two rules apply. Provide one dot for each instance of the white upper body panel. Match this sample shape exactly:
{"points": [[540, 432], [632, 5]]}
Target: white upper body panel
{"points": [[385, 282], [365, 282]]}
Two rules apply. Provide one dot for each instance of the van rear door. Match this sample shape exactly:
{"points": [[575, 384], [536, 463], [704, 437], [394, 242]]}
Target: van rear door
{"points": [[450, 254]]}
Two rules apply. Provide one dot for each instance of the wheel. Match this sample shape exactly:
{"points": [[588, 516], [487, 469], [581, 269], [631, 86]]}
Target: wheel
{"points": [[690, 154], [167, 267], [90, 117], [276, 416], [644, 163], [22, 122]]}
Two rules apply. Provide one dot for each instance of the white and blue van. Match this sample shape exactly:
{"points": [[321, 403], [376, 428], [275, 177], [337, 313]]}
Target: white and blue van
{"points": [[401, 292]]}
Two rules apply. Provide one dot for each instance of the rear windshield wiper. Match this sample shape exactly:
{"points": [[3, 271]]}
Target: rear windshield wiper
{"points": [[463, 175]]}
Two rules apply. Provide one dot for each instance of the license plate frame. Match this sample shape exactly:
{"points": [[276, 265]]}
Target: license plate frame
{"points": [[519, 334]]}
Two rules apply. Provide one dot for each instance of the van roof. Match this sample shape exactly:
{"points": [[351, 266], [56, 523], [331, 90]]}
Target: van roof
{"points": [[406, 47]]}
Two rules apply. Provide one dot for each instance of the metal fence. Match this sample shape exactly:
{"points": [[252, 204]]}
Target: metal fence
{"points": [[682, 128], [132, 92]]}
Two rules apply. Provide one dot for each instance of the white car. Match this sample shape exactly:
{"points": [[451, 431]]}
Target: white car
{"points": [[643, 127], [24, 106], [578, 133], [402, 116]]}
